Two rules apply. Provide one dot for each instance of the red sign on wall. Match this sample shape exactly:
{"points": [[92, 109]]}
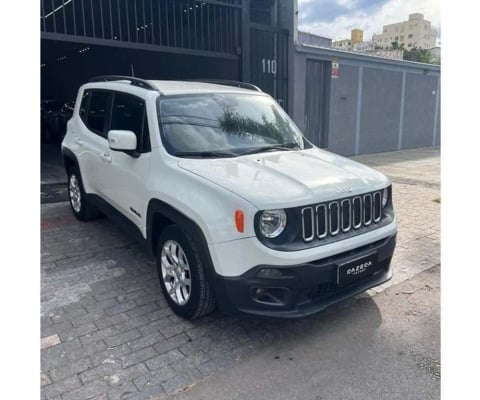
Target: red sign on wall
{"points": [[335, 69]]}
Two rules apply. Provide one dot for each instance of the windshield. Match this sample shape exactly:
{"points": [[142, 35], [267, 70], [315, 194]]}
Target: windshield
{"points": [[222, 125]]}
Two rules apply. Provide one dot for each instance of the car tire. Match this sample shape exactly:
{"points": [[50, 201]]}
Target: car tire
{"points": [[181, 270], [82, 209]]}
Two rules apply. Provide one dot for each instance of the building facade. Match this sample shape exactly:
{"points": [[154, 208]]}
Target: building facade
{"points": [[416, 32], [370, 104], [370, 48], [244, 40], [356, 37]]}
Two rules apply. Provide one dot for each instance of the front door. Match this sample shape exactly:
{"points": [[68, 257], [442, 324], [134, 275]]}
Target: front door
{"points": [[128, 172]]}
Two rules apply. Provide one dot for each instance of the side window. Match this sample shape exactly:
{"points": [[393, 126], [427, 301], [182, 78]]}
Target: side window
{"points": [[84, 105], [128, 113], [97, 111]]}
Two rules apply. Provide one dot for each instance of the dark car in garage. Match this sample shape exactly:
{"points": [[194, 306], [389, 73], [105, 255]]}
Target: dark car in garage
{"points": [[54, 117]]}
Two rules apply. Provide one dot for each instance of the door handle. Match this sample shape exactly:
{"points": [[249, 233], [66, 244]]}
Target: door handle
{"points": [[79, 141], [106, 157]]}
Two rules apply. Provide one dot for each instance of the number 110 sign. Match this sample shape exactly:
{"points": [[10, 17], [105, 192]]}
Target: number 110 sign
{"points": [[269, 66]]}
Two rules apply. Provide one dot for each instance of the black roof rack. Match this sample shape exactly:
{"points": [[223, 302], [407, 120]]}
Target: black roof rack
{"points": [[133, 81], [243, 85]]}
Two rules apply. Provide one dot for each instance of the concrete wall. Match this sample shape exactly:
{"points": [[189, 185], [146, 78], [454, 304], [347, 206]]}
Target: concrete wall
{"points": [[314, 40], [343, 115], [375, 104]]}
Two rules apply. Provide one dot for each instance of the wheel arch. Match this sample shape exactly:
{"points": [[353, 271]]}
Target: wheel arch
{"points": [[69, 159], [160, 215]]}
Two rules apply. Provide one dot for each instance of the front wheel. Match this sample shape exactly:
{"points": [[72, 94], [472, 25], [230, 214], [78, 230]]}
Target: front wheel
{"points": [[181, 269]]}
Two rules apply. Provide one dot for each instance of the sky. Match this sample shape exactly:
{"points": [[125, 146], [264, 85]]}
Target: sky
{"points": [[336, 18]]}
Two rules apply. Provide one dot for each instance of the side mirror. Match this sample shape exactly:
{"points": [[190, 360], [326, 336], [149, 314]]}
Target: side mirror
{"points": [[122, 140]]}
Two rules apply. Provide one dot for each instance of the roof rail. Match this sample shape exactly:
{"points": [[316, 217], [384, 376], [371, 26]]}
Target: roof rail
{"points": [[133, 81], [243, 85]]}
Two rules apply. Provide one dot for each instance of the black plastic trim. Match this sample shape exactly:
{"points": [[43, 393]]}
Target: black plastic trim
{"points": [[162, 209], [133, 81], [68, 154], [119, 219], [239, 84], [234, 294]]}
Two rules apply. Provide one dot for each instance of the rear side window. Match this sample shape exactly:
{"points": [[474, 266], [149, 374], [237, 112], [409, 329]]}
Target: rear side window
{"points": [[84, 105], [128, 113], [97, 111]]}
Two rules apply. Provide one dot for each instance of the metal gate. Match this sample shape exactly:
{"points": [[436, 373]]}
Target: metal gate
{"points": [[208, 27], [269, 61], [317, 85]]}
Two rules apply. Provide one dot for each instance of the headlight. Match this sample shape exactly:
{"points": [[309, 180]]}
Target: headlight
{"points": [[385, 197], [272, 223]]}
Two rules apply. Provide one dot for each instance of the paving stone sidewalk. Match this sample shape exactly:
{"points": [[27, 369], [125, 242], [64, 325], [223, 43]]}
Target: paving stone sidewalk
{"points": [[107, 332]]}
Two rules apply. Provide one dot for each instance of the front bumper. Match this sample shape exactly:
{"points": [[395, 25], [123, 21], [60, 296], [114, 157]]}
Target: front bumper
{"points": [[304, 289]]}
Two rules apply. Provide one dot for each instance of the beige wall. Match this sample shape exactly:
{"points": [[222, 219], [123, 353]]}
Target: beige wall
{"points": [[416, 32]]}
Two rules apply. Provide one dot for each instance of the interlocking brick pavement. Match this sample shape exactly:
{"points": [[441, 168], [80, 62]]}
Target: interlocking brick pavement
{"points": [[107, 332]]}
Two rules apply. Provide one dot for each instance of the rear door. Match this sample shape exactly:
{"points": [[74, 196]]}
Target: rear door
{"points": [[94, 157]]}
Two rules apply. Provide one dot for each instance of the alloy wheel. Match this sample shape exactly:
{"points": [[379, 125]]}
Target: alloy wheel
{"points": [[176, 272], [75, 193]]}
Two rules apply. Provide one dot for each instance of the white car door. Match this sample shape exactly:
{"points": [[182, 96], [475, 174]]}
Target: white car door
{"points": [[92, 139], [129, 170]]}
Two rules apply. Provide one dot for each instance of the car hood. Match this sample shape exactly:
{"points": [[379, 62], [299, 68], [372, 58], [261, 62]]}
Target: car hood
{"points": [[285, 179]]}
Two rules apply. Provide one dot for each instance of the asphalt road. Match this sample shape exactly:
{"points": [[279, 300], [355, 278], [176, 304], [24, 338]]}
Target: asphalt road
{"points": [[382, 347]]}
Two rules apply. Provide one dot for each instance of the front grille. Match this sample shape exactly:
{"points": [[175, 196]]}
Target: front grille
{"points": [[340, 216]]}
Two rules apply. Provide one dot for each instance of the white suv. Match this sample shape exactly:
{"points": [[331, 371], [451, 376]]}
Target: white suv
{"points": [[219, 184]]}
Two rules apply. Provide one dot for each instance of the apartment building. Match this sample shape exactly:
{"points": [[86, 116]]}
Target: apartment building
{"points": [[356, 36], [416, 32]]}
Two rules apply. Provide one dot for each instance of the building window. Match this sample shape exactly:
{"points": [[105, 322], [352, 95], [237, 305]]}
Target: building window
{"points": [[409, 45], [410, 36], [402, 37]]}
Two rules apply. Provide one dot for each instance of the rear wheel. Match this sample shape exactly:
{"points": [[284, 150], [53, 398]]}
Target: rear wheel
{"points": [[81, 207], [181, 270]]}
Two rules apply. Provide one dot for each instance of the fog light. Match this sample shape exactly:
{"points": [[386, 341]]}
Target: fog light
{"points": [[270, 296], [269, 273]]}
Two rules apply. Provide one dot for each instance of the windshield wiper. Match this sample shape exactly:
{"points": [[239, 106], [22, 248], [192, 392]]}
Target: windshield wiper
{"points": [[205, 154], [276, 147]]}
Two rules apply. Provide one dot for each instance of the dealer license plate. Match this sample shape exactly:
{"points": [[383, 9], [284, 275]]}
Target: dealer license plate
{"points": [[357, 269]]}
